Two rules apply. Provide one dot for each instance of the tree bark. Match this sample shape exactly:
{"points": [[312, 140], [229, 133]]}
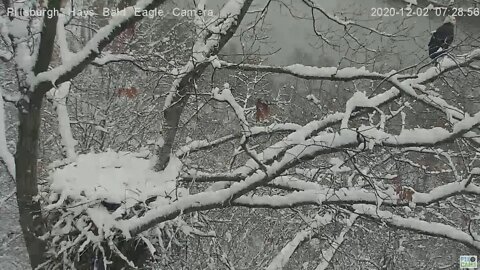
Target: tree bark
{"points": [[29, 207], [172, 119], [29, 111]]}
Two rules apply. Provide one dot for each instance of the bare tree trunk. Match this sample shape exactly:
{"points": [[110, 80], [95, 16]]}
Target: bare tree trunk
{"points": [[31, 219], [29, 110], [170, 128]]}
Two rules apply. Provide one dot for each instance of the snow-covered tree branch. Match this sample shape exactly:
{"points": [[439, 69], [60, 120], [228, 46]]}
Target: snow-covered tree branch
{"points": [[5, 154], [423, 227], [180, 135]]}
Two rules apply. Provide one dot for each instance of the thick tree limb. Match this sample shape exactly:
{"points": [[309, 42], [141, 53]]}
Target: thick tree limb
{"points": [[207, 45], [92, 49], [31, 220], [326, 196]]}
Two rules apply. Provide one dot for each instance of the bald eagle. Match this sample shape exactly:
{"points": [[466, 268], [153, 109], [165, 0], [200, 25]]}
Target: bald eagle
{"points": [[442, 38]]}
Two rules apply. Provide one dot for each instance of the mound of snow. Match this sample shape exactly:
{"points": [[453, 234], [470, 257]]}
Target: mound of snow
{"points": [[116, 177]]}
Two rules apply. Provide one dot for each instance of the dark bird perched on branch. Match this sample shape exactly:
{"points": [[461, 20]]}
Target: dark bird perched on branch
{"points": [[442, 38]]}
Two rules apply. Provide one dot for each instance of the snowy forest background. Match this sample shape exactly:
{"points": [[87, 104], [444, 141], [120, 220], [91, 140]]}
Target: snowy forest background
{"points": [[272, 134]]}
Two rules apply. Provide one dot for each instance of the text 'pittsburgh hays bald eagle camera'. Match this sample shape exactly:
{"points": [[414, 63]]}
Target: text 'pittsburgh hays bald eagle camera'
{"points": [[442, 38]]}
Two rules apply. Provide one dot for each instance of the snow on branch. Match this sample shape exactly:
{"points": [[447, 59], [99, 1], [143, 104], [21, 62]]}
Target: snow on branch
{"points": [[284, 182], [358, 100], [199, 145], [282, 258], [78, 61], [226, 96], [328, 143], [103, 59], [299, 136], [210, 41], [284, 255], [59, 97], [310, 72], [288, 182], [324, 143], [5, 154], [298, 146], [207, 45], [327, 195], [416, 225], [401, 83], [348, 138], [421, 136], [112, 58], [353, 73], [327, 255], [62, 38]]}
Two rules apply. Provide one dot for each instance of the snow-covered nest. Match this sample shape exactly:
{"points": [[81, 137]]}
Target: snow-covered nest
{"points": [[84, 192], [115, 177]]}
